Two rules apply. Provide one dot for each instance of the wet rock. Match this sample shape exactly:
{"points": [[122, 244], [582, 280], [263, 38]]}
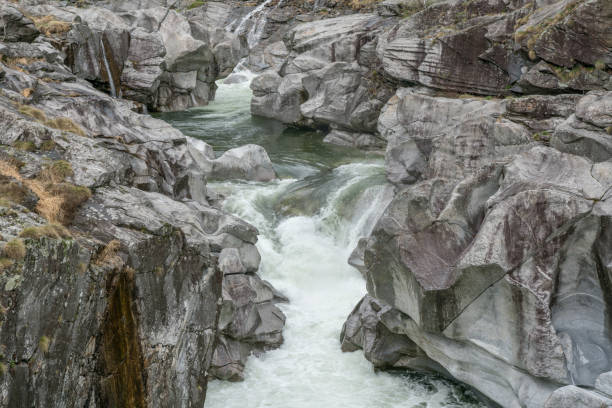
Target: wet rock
{"points": [[248, 162], [209, 23], [249, 321], [483, 295], [143, 67], [359, 140], [278, 97], [364, 330]]}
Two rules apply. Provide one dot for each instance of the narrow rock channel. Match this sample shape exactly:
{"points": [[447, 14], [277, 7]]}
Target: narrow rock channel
{"points": [[309, 221]]}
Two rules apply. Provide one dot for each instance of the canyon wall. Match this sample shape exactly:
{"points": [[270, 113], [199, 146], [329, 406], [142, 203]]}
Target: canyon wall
{"points": [[490, 265]]}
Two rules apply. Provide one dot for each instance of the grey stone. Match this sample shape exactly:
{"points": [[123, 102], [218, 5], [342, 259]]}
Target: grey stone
{"points": [[248, 162], [423, 143], [359, 140], [16, 27], [574, 397], [604, 383]]}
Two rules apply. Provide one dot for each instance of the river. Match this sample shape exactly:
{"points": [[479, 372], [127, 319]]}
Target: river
{"points": [[326, 198]]}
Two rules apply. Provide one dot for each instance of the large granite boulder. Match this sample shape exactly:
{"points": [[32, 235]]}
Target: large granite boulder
{"points": [[574, 397], [209, 23], [558, 31], [484, 292], [248, 162], [489, 258]]}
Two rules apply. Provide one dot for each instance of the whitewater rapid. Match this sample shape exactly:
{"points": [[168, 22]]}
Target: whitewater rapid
{"points": [[309, 222]]}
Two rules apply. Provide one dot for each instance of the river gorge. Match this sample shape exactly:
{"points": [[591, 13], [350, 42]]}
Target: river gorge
{"points": [[306, 203]]}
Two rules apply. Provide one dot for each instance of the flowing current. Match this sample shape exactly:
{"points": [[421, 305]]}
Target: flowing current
{"points": [[326, 198]]}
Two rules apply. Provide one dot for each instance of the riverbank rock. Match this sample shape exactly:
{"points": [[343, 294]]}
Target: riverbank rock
{"points": [[249, 321], [337, 73], [327, 79], [498, 227], [148, 55], [111, 274]]}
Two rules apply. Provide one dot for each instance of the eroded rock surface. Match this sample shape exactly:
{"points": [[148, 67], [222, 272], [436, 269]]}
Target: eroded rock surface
{"points": [[121, 305], [490, 254]]}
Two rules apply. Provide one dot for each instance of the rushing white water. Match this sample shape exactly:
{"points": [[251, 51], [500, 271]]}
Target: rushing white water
{"points": [[309, 222], [254, 33]]}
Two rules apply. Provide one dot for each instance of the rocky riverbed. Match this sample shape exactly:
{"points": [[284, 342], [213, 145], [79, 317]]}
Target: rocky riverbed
{"points": [[126, 280]]}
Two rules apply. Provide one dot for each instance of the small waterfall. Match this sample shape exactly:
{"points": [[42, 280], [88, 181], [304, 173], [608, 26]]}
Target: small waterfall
{"points": [[111, 80], [240, 74], [256, 30]]}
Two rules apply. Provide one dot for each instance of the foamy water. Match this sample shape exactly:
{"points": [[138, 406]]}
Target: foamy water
{"points": [[309, 222]]}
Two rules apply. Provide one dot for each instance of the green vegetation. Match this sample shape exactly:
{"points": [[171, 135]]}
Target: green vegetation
{"points": [[26, 146], [5, 263], [43, 344], [59, 123], [47, 145], [56, 231], [57, 171], [195, 4]]}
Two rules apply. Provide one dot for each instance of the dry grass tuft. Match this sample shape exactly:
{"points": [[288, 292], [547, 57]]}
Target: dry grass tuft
{"points": [[5, 263], [56, 202], [60, 122], [15, 249], [56, 231], [12, 191], [109, 256], [26, 146], [50, 25], [47, 145], [16, 62], [56, 172], [362, 4], [72, 197]]}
